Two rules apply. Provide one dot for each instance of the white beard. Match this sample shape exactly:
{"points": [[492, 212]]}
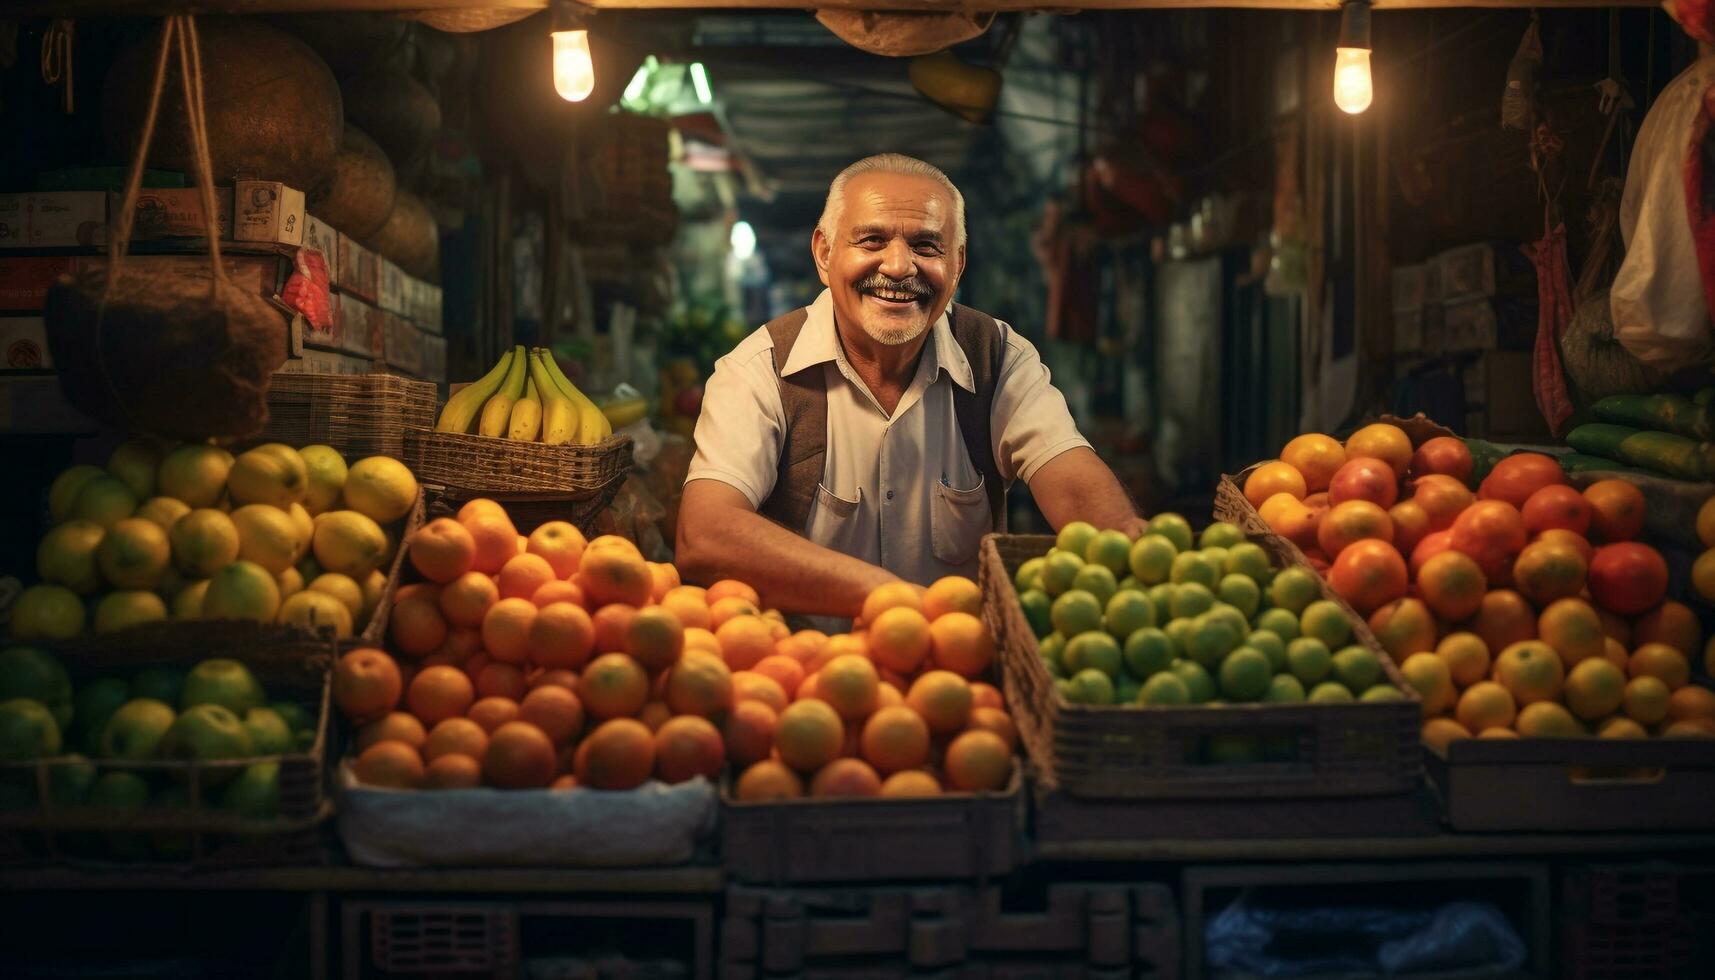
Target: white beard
{"points": [[896, 336]]}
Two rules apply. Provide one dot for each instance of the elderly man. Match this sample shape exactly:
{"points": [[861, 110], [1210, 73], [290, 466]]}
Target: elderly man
{"points": [[870, 436]]}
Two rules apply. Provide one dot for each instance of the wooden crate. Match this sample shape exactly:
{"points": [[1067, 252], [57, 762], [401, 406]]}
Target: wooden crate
{"points": [[1113, 751]]}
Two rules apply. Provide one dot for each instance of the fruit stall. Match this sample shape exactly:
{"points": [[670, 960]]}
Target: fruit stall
{"points": [[355, 357]]}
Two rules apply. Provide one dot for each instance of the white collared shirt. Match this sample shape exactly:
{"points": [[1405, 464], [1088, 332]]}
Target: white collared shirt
{"points": [[899, 492]]}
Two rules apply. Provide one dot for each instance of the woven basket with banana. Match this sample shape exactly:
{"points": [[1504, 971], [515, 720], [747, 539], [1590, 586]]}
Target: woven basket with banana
{"points": [[526, 398]]}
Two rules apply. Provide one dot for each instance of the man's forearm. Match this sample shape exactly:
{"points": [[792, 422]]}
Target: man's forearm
{"points": [[718, 540], [1077, 486]]}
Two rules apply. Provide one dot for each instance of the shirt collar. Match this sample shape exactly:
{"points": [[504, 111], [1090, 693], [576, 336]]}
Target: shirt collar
{"points": [[818, 342]]}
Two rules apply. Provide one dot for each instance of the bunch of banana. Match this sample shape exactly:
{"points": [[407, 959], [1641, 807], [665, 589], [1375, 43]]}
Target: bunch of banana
{"points": [[526, 398]]}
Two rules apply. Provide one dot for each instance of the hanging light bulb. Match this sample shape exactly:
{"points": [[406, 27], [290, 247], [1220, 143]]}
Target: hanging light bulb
{"points": [[1354, 90], [574, 70]]}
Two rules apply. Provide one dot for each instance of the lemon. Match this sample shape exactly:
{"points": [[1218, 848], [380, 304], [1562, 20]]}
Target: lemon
{"points": [[316, 611], [134, 554], [267, 536], [341, 587], [164, 511], [204, 541], [103, 499], [134, 462], [290, 581], [349, 543], [195, 473], [306, 529], [127, 608], [242, 590], [66, 556], [269, 474], [65, 487], [327, 473], [380, 488], [374, 585], [187, 602], [51, 612]]}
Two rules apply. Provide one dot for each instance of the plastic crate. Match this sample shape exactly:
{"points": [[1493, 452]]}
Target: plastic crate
{"points": [[1118, 752], [1632, 922], [420, 939]]}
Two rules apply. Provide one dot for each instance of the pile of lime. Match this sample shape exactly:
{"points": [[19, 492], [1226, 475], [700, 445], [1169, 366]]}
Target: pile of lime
{"points": [[1177, 620]]}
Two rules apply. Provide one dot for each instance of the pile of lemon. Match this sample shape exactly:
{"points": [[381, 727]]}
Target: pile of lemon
{"points": [[190, 531]]}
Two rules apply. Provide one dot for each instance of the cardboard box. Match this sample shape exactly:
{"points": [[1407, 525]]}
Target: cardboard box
{"points": [[174, 213], [320, 236], [53, 219], [14, 225], [1483, 269], [357, 325], [1408, 287], [425, 305], [268, 211], [264, 275], [391, 294], [434, 359], [359, 269], [24, 280], [24, 344], [404, 344]]}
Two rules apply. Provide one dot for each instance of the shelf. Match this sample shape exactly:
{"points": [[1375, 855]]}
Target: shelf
{"points": [[1379, 848], [685, 880]]}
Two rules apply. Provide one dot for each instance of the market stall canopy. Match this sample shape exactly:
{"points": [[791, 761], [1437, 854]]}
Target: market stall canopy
{"points": [[77, 8]]}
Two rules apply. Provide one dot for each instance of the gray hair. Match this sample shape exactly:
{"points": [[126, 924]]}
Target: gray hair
{"points": [[890, 163]]}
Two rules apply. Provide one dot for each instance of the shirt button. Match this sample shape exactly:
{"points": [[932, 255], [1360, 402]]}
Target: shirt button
{"points": [[890, 494]]}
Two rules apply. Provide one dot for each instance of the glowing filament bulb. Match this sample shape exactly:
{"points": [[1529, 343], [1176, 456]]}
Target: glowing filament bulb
{"points": [[1353, 90], [574, 72]]}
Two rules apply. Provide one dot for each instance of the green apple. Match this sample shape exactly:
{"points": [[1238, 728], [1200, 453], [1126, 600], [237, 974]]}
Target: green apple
{"points": [[136, 729], [70, 781], [269, 733], [208, 733], [26, 672], [161, 683], [255, 793], [94, 705], [224, 682], [298, 718], [27, 730]]}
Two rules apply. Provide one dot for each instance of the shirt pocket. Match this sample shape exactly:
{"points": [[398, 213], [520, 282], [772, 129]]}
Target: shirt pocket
{"points": [[834, 521], [958, 519]]}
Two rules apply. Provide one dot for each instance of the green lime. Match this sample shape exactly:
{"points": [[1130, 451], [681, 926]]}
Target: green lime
{"points": [[1216, 557], [1063, 686], [1272, 647], [1180, 632], [1126, 689], [1172, 527], [1131, 583], [1212, 638], [1357, 668], [1284, 689], [1232, 750], [1037, 611], [1058, 571], [1221, 610], [1382, 692], [1197, 680], [1148, 652], [1191, 566], [1280, 622], [1248, 560], [1028, 576], [1110, 549], [95, 703], [1075, 537], [1052, 649], [1220, 535], [1151, 559], [1329, 691], [1164, 688], [1075, 612], [1161, 597], [1191, 599], [1309, 660], [1246, 674], [1324, 620], [1091, 687], [1242, 593], [1128, 612], [1096, 580], [1294, 588], [1093, 651]]}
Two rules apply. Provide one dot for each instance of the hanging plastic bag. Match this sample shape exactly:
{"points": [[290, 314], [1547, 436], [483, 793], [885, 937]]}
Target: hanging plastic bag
{"points": [[1518, 99]]}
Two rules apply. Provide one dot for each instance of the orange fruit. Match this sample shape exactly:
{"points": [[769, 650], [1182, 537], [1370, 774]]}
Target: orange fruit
{"points": [[664, 579], [954, 593], [699, 684], [1442, 497], [519, 756], [474, 664], [1503, 618], [1382, 441], [1453, 585], [959, 642], [1485, 705], [838, 646], [465, 600], [1548, 719], [655, 638], [655, 714], [1445, 455], [1517, 477], [1621, 727], [1573, 629], [442, 550], [744, 640], [1410, 524], [1498, 733], [890, 596], [846, 778], [455, 736], [555, 710], [783, 670], [452, 772], [887, 695], [686, 602], [768, 780], [495, 537], [1662, 662], [1316, 457], [943, 698], [500, 680], [721, 611], [619, 754], [1466, 657], [697, 638], [389, 764], [749, 732], [561, 636], [560, 543], [1672, 623], [986, 696], [1691, 701], [506, 629], [1594, 689], [1275, 477], [1532, 671], [997, 721], [1690, 728], [899, 639], [748, 685], [478, 505], [1351, 521], [1577, 542], [911, 783], [417, 626], [850, 684], [397, 726], [802, 646], [523, 574], [1492, 532], [732, 587], [418, 590], [1614, 652], [809, 736], [612, 625], [1290, 518], [687, 747], [556, 677], [1556, 506], [613, 686], [1548, 570], [1404, 627], [366, 684], [1437, 732], [613, 574], [1617, 510], [895, 739], [554, 592], [1368, 574], [1429, 676], [492, 711], [978, 761]]}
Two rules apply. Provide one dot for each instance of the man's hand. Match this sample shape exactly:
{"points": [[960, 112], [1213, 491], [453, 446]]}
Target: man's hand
{"points": [[722, 536], [1077, 486]]}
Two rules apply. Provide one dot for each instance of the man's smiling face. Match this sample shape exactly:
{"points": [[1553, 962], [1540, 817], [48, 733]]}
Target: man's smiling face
{"points": [[890, 260]]}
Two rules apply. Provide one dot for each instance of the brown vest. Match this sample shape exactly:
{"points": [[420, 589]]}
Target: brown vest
{"points": [[804, 397]]}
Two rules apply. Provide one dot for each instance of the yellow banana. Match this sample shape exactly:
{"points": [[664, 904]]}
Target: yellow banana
{"points": [[460, 410], [625, 411], [526, 422], [497, 411], [559, 415], [593, 426]]}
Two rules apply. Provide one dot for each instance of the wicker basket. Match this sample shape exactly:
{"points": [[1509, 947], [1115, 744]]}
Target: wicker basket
{"points": [[1129, 752], [291, 670], [484, 466], [531, 510], [359, 415]]}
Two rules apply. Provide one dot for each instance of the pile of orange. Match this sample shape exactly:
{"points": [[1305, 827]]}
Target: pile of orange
{"points": [[1522, 607]]}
